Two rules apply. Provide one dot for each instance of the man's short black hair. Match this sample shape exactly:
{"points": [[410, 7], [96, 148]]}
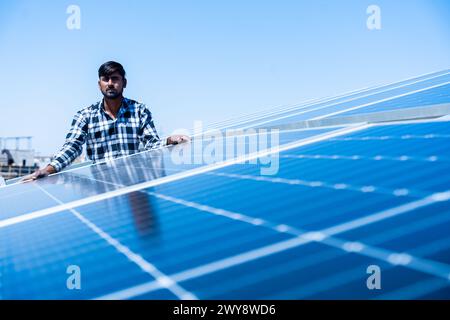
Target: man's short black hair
{"points": [[108, 68]]}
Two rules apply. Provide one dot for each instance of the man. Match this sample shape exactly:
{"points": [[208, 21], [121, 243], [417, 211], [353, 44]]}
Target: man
{"points": [[111, 128]]}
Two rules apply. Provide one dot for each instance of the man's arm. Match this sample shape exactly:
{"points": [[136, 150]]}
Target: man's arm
{"points": [[150, 138], [40, 173], [71, 149]]}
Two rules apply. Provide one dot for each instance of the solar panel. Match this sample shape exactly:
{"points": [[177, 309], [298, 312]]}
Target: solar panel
{"points": [[343, 199], [434, 96], [291, 110], [341, 216], [140, 168], [422, 92]]}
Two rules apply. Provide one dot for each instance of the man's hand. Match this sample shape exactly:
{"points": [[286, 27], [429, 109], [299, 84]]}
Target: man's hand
{"points": [[38, 174], [176, 139]]}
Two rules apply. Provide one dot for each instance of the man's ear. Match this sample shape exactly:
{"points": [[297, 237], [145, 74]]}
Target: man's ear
{"points": [[124, 82]]}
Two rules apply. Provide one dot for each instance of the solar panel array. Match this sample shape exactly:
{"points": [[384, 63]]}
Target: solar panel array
{"points": [[343, 200], [433, 90]]}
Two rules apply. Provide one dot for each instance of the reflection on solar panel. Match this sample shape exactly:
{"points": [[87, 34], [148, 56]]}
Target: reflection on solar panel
{"points": [[343, 201]]}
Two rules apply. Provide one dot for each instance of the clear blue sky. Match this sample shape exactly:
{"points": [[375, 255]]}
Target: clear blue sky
{"points": [[205, 60]]}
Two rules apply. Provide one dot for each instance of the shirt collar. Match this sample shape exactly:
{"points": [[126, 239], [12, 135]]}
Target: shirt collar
{"points": [[123, 107]]}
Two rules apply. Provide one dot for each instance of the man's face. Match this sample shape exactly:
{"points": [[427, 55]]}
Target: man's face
{"points": [[112, 86]]}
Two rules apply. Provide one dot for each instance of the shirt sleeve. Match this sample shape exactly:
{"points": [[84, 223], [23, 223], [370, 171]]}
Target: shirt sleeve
{"points": [[73, 145], [149, 137]]}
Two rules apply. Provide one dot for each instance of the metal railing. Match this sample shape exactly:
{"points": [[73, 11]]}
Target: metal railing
{"points": [[15, 171]]}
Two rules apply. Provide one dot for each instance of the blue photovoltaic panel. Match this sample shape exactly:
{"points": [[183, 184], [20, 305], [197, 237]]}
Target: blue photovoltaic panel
{"points": [[36, 255], [429, 97], [373, 197], [70, 167], [127, 171], [419, 93], [285, 112]]}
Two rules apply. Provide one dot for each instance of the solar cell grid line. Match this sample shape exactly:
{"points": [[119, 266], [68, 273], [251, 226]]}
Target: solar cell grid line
{"points": [[323, 184], [428, 156], [405, 137], [373, 158], [347, 182], [356, 157], [382, 150], [316, 112], [138, 186], [276, 111]]}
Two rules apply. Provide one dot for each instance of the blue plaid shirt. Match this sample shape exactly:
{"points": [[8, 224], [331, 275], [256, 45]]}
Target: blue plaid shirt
{"points": [[107, 138]]}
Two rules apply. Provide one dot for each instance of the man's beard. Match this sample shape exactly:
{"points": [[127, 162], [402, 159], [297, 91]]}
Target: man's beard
{"points": [[111, 94]]}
